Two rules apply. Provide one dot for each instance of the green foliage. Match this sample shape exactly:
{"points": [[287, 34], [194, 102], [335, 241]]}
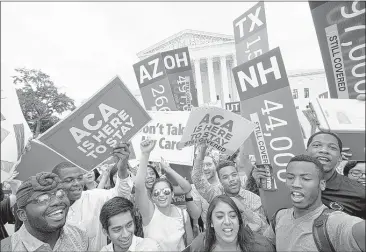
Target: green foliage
{"points": [[40, 99]]}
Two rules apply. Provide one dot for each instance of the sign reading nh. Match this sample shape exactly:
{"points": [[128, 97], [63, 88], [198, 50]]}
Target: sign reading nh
{"points": [[263, 72]]}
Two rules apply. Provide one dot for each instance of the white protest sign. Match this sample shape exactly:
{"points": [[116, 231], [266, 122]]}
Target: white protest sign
{"points": [[219, 128], [166, 128]]}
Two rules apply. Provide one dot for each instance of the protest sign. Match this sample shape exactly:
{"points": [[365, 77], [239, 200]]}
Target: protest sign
{"points": [[87, 136], [340, 28], [15, 131], [219, 128], [166, 128], [166, 81], [250, 33], [39, 158], [251, 40], [233, 107], [179, 70], [266, 100]]}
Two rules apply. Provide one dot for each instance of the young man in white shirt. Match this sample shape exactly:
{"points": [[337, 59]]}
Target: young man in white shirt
{"points": [[86, 205], [121, 224]]}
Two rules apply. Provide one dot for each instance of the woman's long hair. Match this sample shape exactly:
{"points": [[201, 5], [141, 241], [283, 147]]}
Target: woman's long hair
{"points": [[245, 234]]}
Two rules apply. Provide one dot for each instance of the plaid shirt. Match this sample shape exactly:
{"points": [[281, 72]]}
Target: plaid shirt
{"points": [[71, 239]]}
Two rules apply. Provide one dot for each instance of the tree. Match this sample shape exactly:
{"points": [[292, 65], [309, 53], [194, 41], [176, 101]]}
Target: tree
{"points": [[40, 99]]}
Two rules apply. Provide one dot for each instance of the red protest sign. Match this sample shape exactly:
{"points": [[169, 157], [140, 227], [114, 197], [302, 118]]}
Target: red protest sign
{"points": [[340, 27], [266, 100], [86, 137]]}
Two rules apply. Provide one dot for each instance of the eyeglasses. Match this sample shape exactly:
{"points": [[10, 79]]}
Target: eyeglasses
{"points": [[46, 198], [357, 174], [165, 191]]}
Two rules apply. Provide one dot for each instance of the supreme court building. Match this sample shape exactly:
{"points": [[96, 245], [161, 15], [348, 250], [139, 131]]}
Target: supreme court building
{"points": [[213, 57]]}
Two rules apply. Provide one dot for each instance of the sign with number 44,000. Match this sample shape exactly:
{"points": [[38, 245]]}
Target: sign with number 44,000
{"points": [[266, 100]]}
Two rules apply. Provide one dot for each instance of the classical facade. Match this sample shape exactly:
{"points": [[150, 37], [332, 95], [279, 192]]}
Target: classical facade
{"points": [[213, 57]]}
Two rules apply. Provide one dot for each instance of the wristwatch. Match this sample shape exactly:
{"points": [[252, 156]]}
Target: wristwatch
{"points": [[189, 199]]}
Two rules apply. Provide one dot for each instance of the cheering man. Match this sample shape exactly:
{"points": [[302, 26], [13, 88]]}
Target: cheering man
{"points": [[43, 206]]}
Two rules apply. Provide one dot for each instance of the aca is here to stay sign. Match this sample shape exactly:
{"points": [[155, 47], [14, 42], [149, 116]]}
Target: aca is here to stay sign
{"points": [[87, 136]]}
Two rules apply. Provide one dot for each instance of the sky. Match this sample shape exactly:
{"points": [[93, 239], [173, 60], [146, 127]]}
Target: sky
{"points": [[83, 45]]}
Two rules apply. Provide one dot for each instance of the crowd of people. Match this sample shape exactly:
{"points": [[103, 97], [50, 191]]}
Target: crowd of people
{"points": [[124, 208]]}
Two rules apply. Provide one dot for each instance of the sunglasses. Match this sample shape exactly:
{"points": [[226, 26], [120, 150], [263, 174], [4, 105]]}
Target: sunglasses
{"points": [[165, 191], [46, 198]]}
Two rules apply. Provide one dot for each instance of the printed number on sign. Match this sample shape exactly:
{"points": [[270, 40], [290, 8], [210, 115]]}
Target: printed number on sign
{"points": [[160, 100], [279, 145]]}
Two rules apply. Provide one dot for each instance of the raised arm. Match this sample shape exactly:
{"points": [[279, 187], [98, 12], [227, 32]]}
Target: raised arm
{"points": [[204, 188], [193, 210], [143, 203]]}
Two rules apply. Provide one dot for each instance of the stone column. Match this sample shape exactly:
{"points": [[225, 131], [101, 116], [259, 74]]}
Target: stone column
{"points": [[211, 80], [235, 95], [197, 71], [224, 80]]}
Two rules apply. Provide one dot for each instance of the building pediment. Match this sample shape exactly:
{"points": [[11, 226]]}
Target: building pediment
{"points": [[190, 38]]}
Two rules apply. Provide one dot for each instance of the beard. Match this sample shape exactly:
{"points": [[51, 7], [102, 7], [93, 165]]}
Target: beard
{"points": [[41, 225]]}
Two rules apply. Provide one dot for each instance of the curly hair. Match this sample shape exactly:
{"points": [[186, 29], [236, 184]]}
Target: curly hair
{"points": [[119, 205]]}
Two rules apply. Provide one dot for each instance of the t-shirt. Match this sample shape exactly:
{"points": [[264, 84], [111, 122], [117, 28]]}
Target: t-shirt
{"points": [[260, 244], [296, 234]]}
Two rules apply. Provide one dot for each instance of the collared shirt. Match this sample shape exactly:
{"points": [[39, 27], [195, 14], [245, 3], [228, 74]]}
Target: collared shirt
{"points": [[247, 198], [137, 244], [84, 213], [71, 239], [343, 193]]}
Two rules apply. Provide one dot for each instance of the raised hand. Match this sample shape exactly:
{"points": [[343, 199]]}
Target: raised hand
{"points": [[165, 165], [147, 146], [201, 150], [122, 151]]}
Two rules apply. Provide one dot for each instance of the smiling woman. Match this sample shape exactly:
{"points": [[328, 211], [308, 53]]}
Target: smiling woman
{"points": [[226, 230]]}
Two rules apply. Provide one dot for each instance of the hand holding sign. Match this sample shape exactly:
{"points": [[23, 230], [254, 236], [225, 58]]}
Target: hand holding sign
{"points": [[122, 151], [201, 150], [165, 166]]}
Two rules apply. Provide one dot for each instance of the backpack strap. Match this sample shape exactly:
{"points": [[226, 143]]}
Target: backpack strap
{"points": [[6, 244], [273, 220], [320, 232]]}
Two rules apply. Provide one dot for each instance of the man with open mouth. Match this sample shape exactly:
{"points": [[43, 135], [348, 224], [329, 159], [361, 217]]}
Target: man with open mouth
{"points": [[340, 193], [296, 228], [43, 206]]}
